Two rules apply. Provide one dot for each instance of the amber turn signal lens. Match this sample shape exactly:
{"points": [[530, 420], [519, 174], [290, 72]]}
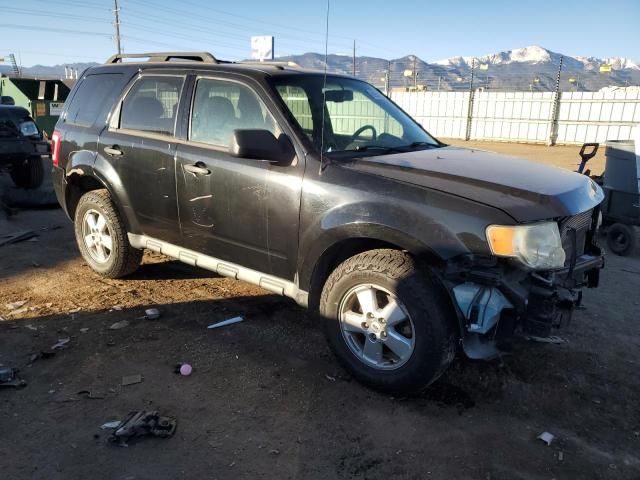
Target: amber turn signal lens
{"points": [[501, 240]]}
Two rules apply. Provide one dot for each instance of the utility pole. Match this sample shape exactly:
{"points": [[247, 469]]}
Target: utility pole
{"points": [[387, 83], [555, 109], [116, 12], [354, 58], [467, 135], [415, 74]]}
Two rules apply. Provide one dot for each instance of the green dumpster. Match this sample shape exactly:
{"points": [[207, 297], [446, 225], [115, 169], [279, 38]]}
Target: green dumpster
{"points": [[44, 98]]}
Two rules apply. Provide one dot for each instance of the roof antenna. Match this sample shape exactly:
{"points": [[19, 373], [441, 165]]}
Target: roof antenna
{"points": [[324, 89]]}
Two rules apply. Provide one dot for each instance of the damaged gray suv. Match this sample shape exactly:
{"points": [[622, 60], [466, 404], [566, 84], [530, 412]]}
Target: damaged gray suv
{"points": [[321, 189]]}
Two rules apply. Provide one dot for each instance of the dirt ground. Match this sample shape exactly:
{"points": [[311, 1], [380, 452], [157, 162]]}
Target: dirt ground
{"points": [[267, 399]]}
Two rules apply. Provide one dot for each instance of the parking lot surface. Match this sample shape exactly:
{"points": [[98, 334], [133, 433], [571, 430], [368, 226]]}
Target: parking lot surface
{"points": [[266, 398]]}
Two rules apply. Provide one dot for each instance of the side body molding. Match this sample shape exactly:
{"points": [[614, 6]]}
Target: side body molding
{"points": [[222, 267]]}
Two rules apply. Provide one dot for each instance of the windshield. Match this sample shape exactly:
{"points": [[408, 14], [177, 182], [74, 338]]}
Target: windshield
{"points": [[357, 117], [28, 128]]}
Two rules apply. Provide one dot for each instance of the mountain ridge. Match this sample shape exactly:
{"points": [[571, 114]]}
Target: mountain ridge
{"points": [[529, 68]]}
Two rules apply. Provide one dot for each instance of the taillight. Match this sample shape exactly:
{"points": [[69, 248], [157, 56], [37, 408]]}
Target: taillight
{"points": [[56, 139]]}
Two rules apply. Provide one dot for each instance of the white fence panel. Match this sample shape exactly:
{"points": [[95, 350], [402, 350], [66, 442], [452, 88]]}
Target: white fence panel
{"points": [[526, 116], [598, 116], [444, 114], [511, 116]]}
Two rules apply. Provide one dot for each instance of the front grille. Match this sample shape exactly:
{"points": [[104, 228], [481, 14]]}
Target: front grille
{"points": [[580, 224]]}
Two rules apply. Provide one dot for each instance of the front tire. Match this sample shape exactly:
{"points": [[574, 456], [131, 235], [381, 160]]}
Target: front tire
{"points": [[29, 173], [102, 237], [387, 322]]}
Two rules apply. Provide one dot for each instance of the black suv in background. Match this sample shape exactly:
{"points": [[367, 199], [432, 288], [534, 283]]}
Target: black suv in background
{"points": [[22, 145], [319, 188]]}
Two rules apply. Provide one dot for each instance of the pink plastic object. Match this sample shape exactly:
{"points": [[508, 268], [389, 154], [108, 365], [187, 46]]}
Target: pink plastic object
{"points": [[185, 369]]}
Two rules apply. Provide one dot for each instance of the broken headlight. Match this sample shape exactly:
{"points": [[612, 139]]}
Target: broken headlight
{"points": [[537, 246]]}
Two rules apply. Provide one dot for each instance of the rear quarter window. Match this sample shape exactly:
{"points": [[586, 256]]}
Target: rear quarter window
{"points": [[95, 95]]}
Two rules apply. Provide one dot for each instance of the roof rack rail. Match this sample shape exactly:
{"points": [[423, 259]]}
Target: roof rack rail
{"points": [[204, 57], [273, 63]]}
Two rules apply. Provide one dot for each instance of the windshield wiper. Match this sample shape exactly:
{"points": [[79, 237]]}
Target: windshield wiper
{"points": [[420, 144], [381, 148]]}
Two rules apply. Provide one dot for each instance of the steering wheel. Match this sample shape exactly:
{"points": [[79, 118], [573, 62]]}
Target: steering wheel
{"points": [[358, 132]]}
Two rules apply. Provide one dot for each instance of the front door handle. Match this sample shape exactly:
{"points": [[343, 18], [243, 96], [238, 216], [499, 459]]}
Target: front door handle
{"points": [[197, 168], [114, 151]]}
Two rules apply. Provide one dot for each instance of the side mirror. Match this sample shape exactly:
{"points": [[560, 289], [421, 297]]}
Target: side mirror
{"points": [[262, 145], [7, 100]]}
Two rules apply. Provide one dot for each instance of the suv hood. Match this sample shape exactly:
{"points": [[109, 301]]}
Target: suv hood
{"points": [[525, 190]]}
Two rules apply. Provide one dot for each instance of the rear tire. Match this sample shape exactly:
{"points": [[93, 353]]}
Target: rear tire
{"points": [[29, 173], [388, 323], [102, 236], [621, 239]]}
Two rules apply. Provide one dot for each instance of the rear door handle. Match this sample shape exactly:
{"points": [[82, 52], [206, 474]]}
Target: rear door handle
{"points": [[113, 150], [197, 168]]}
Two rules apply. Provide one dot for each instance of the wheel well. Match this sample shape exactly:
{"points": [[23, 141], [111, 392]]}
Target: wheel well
{"points": [[334, 256], [341, 251], [78, 186]]}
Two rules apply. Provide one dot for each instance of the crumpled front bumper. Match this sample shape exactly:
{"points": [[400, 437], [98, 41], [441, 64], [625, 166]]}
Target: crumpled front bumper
{"points": [[552, 298], [496, 300]]}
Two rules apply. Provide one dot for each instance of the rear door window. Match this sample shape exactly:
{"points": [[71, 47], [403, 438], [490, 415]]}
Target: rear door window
{"points": [[93, 99], [152, 105]]}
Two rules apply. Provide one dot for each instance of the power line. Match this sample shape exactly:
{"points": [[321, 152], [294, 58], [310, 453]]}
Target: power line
{"points": [[73, 3], [55, 30], [208, 19], [182, 36], [53, 15], [48, 54], [230, 38], [262, 22]]}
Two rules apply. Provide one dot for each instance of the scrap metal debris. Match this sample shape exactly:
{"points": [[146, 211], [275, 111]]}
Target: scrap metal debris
{"points": [[16, 237], [152, 313], [91, 395], [16, 305], [141, 424], [131, 379], [62, 342], [114, 424], [119, 325], [546, 437], [224, 323], [551, 339], [44, 354], [9, 378]]}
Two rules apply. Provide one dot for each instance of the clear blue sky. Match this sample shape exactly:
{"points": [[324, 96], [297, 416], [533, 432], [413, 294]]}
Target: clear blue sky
{"points": [[389, 29]]}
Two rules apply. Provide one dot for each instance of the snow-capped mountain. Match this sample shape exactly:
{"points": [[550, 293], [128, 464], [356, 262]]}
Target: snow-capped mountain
{"points": [[534, 55], [617, 63], [531, 68]]}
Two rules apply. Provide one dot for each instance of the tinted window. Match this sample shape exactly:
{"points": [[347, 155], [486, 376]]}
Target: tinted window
{"points": [[93, 99], [220, 107], [152, 105]]}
